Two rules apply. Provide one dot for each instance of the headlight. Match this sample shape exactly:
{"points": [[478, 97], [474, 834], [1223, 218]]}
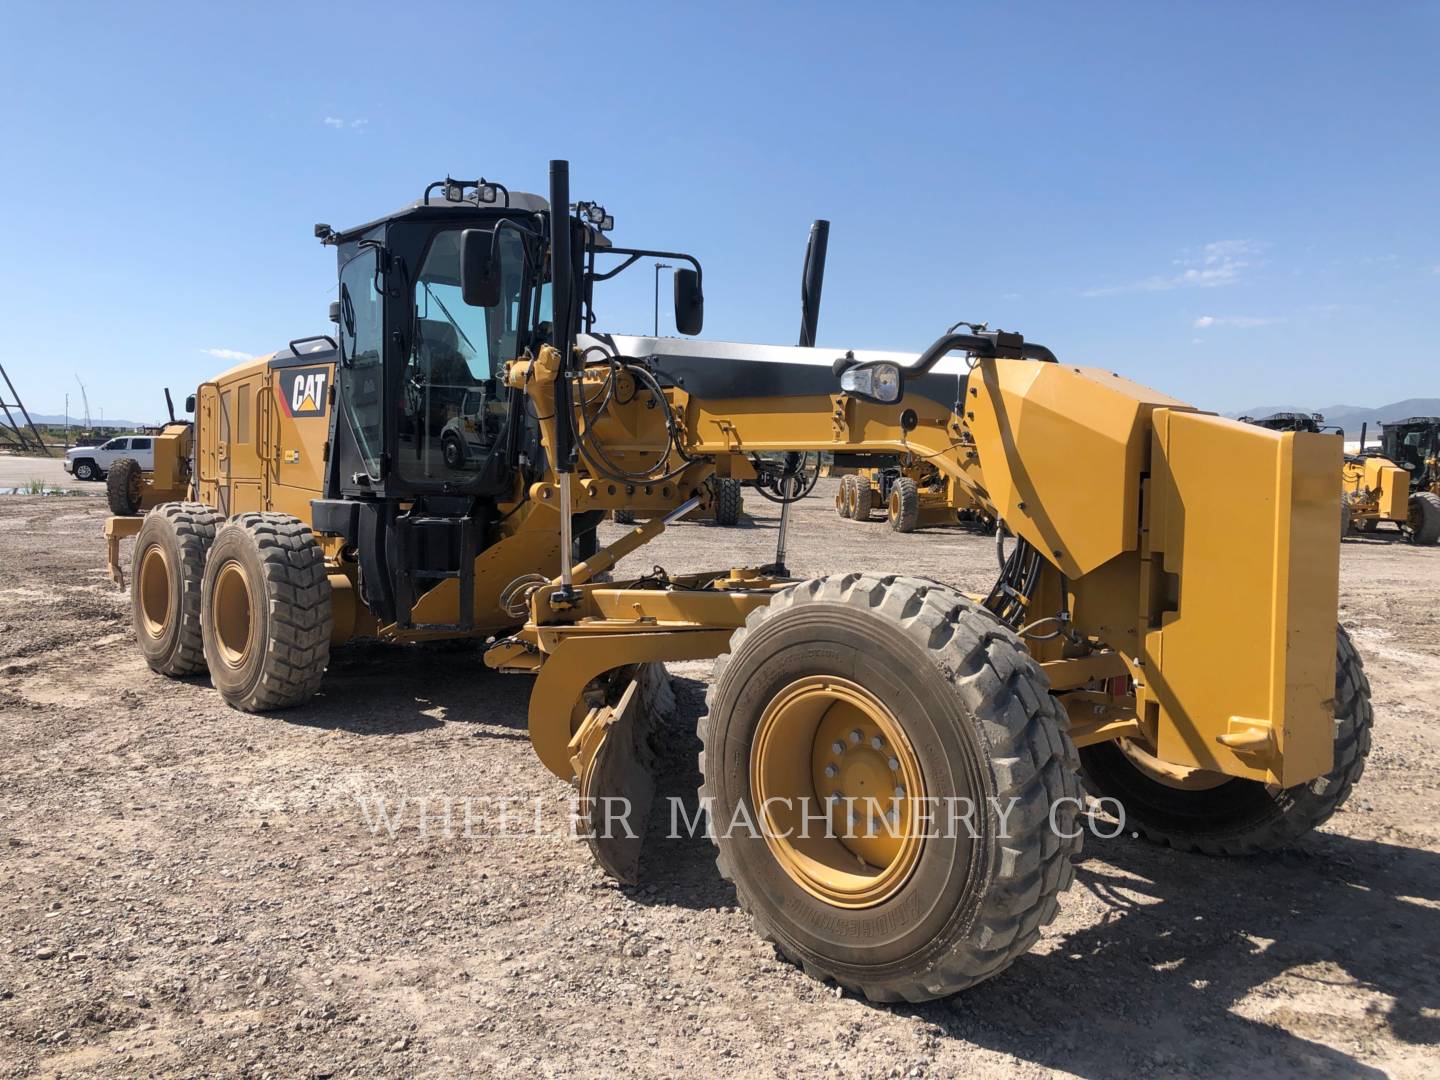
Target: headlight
{"points": [[879, 382]]}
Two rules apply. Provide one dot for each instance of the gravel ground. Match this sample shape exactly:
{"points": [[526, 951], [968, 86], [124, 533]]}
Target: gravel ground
{"points": [[194, 891]]}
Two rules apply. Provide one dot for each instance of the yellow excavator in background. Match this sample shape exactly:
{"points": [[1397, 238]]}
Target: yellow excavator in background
{"points": [[892, 770]]}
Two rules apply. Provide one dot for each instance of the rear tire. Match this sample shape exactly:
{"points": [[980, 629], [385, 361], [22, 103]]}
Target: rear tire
{"points": [[166, 573], [267, 618], [842, 496], [972, 708], [729, 501], [623, 517], [86, 470], [904, 507], [1241, 817], [124, 486], [1347, 516], [864, 498], [1423, 523]]}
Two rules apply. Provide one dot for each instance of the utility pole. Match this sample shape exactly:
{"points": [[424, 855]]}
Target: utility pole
{"points": [[67, 421], [658, 267]]}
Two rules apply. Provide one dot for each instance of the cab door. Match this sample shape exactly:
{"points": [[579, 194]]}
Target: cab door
{"points": [[210, 458]]}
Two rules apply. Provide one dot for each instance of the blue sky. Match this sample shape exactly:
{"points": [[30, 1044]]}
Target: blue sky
{"points": [[1235, 203]]}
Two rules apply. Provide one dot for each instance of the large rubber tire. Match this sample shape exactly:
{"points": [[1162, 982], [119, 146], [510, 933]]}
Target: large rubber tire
{"points": [[977, 709], [623, 517], [1347, 516], [123, 487], [1241, 817], [266, 612], [1423, 524], [844, 503], [166, 572], [864, 502], [903, 511], [729, 501], [85, 469]]}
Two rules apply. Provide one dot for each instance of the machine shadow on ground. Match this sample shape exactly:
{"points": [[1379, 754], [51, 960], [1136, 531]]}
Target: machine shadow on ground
{"points": [[1202, 931]]}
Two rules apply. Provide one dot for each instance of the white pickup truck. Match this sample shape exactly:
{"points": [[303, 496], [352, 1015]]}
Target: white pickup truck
{"points": [[93, 462]]}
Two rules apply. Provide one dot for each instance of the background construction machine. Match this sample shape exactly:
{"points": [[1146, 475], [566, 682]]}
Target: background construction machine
{"points": [[891, 770], [1375, 489], [911, 494]]}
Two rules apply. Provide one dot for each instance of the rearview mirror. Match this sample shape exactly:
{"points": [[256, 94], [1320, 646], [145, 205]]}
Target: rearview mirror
{"points": [[689, 303], [190, 404], [479, 268]]}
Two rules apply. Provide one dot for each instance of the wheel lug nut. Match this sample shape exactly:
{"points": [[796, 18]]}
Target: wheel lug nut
{"points": [[855, 737], [894, 764], [832, 770], [899, 793], [838, 747], [877, 742]]}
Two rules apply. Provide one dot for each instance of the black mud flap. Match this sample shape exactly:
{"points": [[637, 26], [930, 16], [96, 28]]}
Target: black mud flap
{"points": [[614, 761]]}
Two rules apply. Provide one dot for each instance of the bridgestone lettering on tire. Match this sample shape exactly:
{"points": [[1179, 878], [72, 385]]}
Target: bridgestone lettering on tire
{"points": [[123, 487], [1241, 817], [977, 712], [166, 574], [267, 616]]}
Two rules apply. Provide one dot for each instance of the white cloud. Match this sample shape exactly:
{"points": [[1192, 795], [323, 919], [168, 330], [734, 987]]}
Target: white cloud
{"points": [[1242, 322], [360, 123], [340, 123], [228, 354], [334, 122], [1221, 262]]}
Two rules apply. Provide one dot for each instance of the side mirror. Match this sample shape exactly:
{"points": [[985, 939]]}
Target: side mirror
{"points": [[689, 303], [335, 311], [190, 404], [479, 268]]}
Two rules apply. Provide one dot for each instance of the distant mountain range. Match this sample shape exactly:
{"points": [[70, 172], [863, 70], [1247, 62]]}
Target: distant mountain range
{"points": [[1350, 417], [79, 421]]}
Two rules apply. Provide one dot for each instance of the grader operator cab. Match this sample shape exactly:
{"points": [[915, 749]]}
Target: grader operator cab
{"points": [[891, 769]]}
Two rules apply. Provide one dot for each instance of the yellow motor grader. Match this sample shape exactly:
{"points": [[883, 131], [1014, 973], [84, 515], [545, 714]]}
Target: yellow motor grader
{"points": [[892, 770], [914, 495], [1374, 489]]}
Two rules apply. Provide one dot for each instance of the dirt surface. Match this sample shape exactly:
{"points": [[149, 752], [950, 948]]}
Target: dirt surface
{"points": [[194, 891]]}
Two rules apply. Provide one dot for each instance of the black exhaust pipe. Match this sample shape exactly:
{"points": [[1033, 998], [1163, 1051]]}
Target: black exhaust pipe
{"points": [[562, 292], [169, 405], [1362, 436], [812, 281]]}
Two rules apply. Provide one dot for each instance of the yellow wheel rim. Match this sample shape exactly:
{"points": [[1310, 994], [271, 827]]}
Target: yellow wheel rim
{"points": [[840, 497], [1180, 777], [231, 612], [155, 591], [839, 791], [893, 507]]}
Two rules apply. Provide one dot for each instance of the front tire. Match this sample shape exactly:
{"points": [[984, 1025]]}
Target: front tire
{"points": [[266, 606], [729, 501], [124, 486], [842, 496], [1423, 524], [903, 511], [1216, 815], [166, 574], [864, 498], [86, 470], [960, 711]]}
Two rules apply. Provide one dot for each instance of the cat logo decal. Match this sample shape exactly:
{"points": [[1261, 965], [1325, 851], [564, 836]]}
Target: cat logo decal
{"points": [[302, 391]]}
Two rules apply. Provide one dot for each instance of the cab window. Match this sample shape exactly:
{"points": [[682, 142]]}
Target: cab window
{"points": [[454, 406]]}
